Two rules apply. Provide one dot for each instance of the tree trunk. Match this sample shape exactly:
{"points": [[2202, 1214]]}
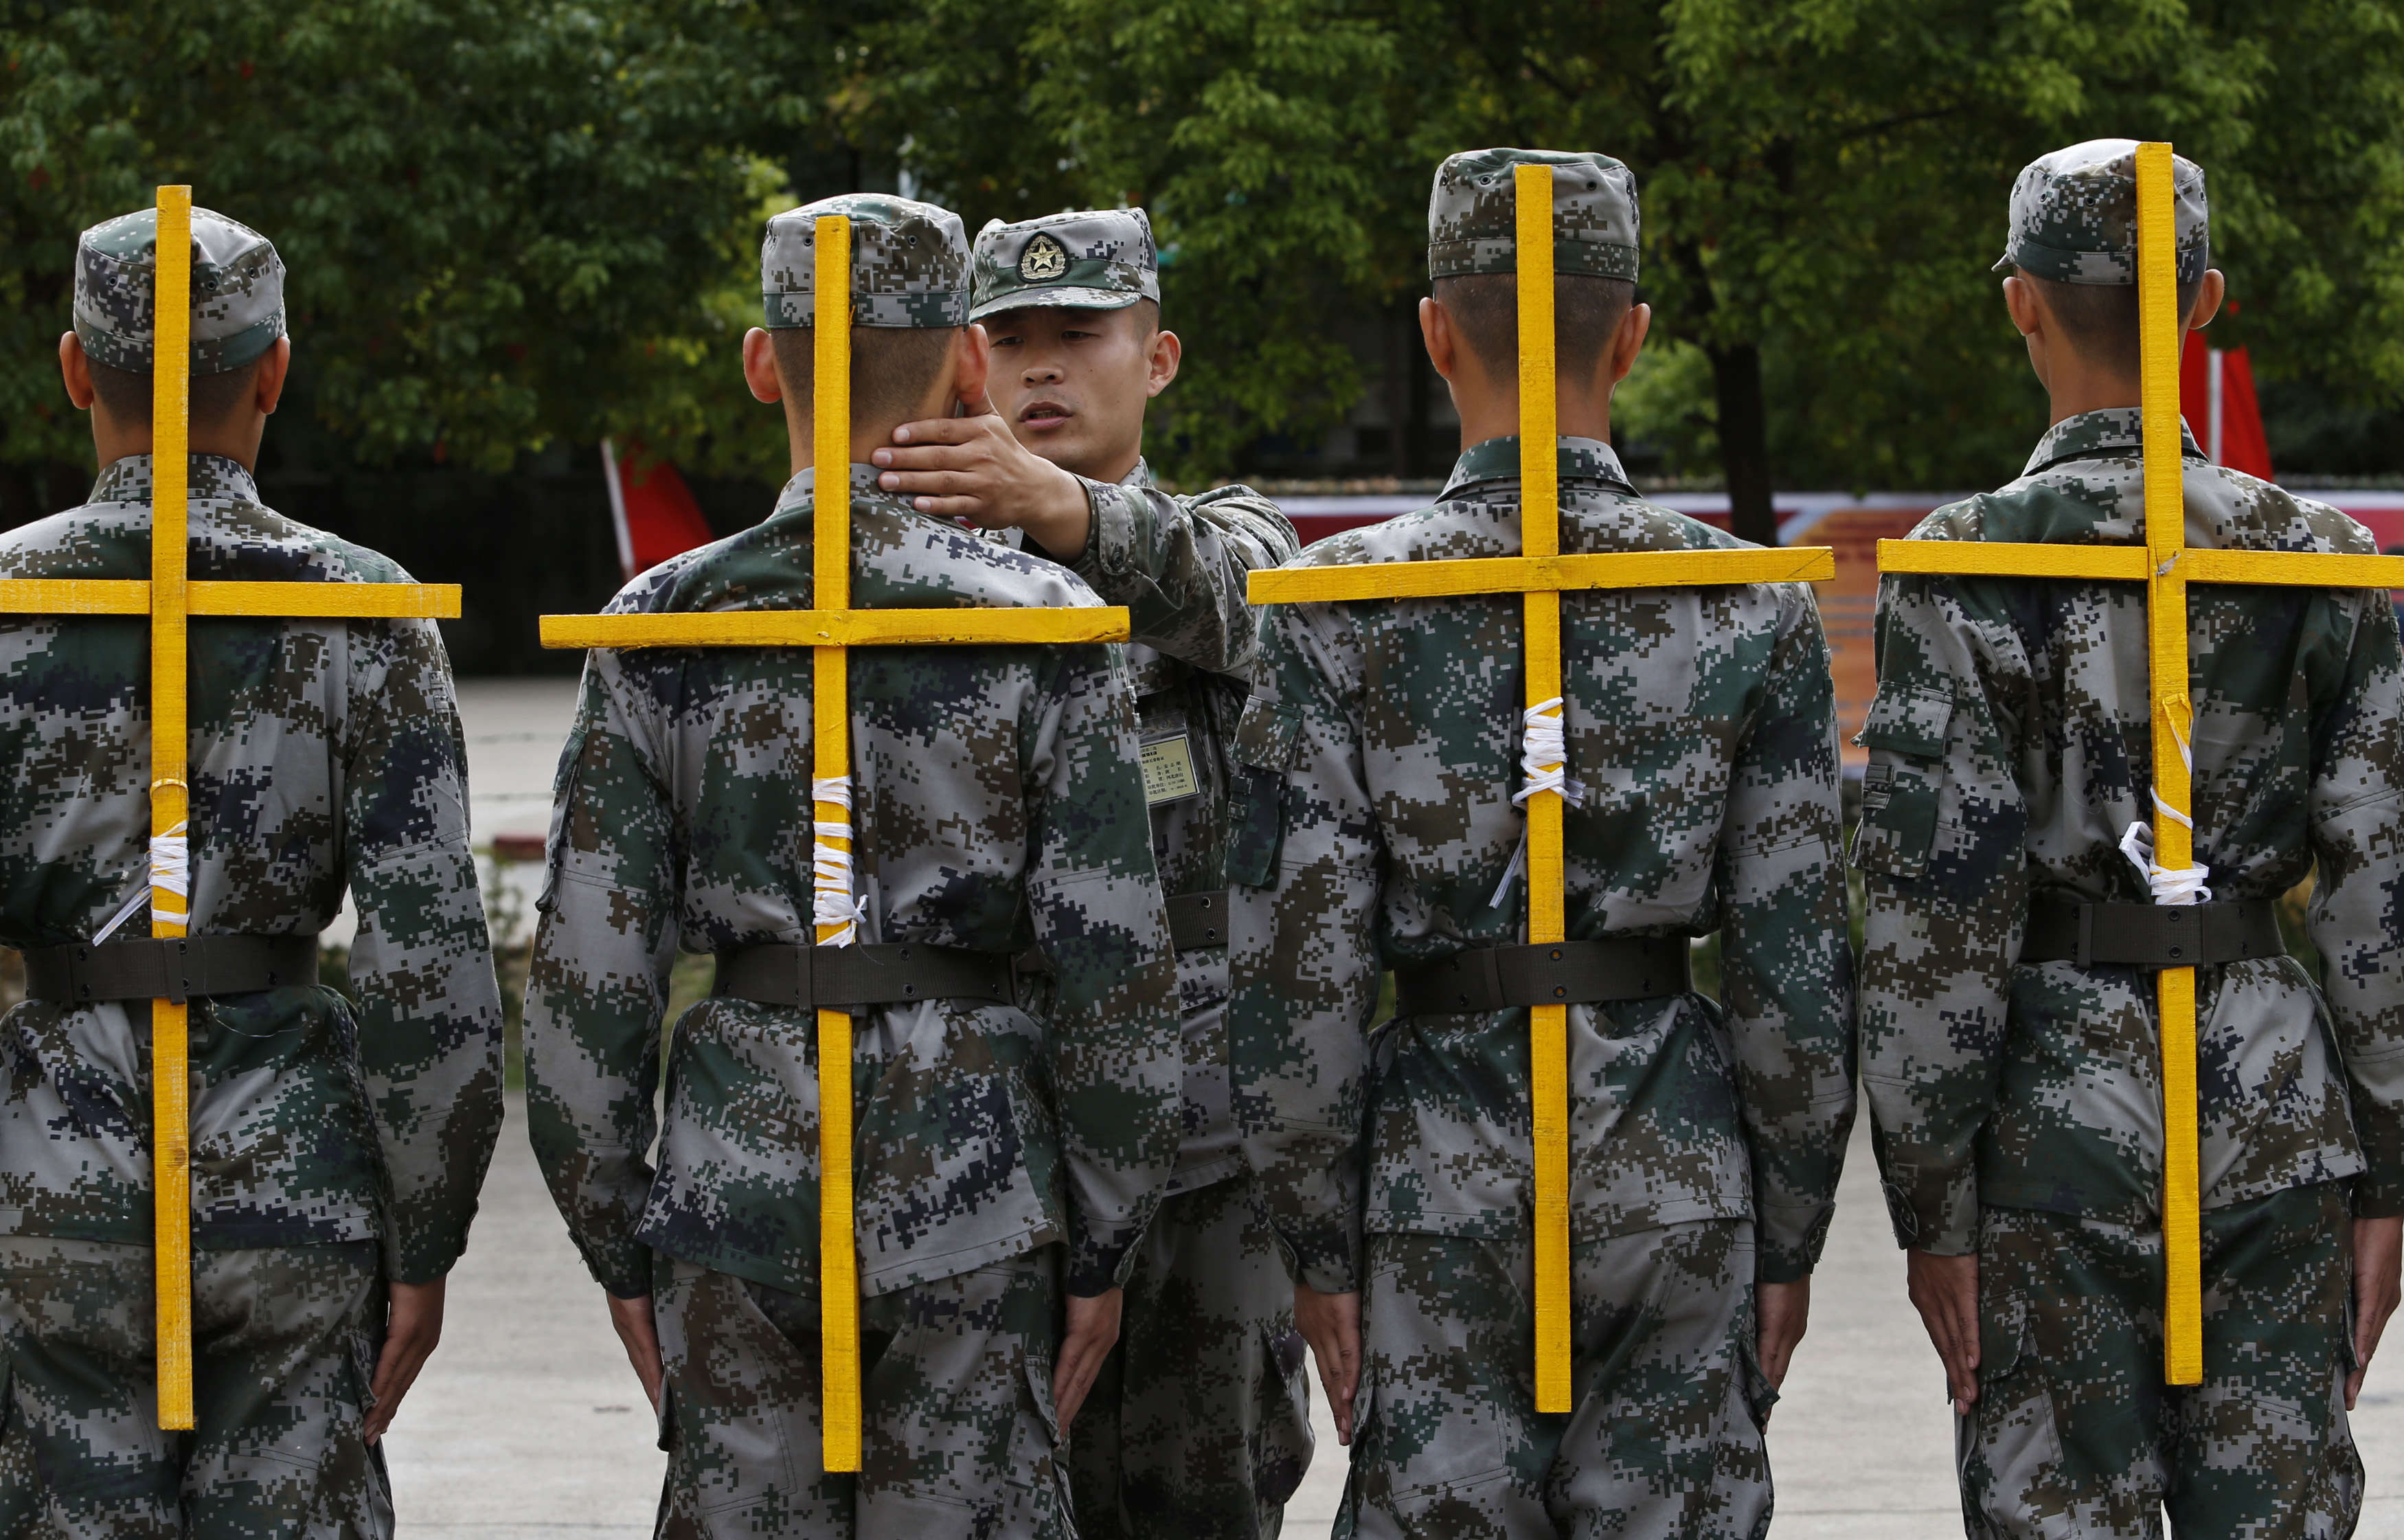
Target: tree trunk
{"points": [[1744, 441]]}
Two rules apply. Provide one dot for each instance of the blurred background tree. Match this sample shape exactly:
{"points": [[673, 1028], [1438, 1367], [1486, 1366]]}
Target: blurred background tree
{"points": [[513, 229]]}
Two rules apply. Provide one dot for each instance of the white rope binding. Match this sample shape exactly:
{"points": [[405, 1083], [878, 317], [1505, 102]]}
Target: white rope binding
{"points": [[171, 870], [1544, 759], [2137, 844], [832, 902]]}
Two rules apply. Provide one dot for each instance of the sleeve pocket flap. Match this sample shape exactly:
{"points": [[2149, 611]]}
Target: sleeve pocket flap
{"points": [[1909, 719], [1267, 734]]}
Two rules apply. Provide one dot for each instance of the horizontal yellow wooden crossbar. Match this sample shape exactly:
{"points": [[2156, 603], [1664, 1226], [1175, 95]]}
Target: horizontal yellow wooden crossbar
{"points": [[357, 601], [836, 628], [1542, 574], [2126, 564], [2013, 559]]}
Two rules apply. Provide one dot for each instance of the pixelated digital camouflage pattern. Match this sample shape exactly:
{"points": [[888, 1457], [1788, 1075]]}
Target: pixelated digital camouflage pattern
{"points": [[2073, 1432], [909, 263], [1663, 1440], [1180, 566], [1198, 1426], [285, 1340], [324, 754], [2075, 215], [1381, 751], [998, 805], [1100, 259], [1473, 222], [237, 292], [958, 1436], [2010, 745]]}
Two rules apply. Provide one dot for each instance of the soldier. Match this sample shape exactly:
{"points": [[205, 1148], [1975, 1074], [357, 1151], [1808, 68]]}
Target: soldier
{"points": [[1199, 1424], [337, 1149], [2016, 1091], [999, 1162], [1379, 833]]}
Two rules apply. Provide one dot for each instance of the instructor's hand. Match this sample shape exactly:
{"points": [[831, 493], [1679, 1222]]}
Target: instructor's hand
{"points": [[1330, 1324], [1093, 1331], [413, 1326], [1945, 1289], [1781, 1312], [641, 1336], [2378, 1261], [972, 468]]}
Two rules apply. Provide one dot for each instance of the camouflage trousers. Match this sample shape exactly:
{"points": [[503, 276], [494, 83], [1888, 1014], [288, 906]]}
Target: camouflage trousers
{"points": [[283, 1347], [1198, 1427], [958, 1436], [2073, 1432], [1669, 1403]]}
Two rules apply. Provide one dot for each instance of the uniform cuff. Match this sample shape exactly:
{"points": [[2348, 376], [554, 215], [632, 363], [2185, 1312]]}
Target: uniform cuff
{"points": [[1110, 544], [1788, 1241]]}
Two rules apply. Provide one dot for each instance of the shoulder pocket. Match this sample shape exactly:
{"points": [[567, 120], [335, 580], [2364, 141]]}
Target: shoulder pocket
{"points": [[563, 793], [1906, 732], [1266, 738]]}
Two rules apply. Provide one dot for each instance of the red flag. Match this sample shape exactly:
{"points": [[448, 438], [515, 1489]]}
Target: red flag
{"points": [[2216, 398], [651, 509]]}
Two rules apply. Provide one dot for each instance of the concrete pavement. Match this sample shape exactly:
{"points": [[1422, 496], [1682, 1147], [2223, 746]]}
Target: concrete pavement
{"points": [[528, 1423]]}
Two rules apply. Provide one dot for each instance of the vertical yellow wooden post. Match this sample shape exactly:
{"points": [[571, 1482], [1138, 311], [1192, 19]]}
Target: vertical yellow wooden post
{"points": [[830, 584], [2174, 839], [1540, 535], [171, 1164]]}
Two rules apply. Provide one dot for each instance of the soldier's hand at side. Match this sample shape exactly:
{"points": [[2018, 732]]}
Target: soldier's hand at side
{"points": [[1945, 1291], [1330, 1324], [640, 1334], [2377, 1272], [412, 1326], [972, 468], [1093, 1331], [1781, 1313]]}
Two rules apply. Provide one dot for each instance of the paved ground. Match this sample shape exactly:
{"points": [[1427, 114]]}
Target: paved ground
{"points": [[528, 1423]]}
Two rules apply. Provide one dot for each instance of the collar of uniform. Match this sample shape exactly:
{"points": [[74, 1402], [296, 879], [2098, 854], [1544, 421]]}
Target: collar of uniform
{"points": [[2093, 435], [863, 484], [1498, 460], [1140, 477], [129, 481]]}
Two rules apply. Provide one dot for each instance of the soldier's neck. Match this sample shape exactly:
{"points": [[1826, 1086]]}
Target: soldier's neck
{"points": [[1495, 414], [238, 440], [866, 438]]}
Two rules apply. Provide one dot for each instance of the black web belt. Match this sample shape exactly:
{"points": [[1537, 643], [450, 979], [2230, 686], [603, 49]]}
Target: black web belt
{"points": [[885, 973], [1197, 920], [2151, 935], [170, 969], [1565, 973]]}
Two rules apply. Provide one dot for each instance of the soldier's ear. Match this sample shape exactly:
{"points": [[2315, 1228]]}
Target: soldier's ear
{"points": [[2207, 300], [75, 369], [1442, 337], [971, 363], [1627, 341], [274, 367], [1166, 353], [760, 366]]}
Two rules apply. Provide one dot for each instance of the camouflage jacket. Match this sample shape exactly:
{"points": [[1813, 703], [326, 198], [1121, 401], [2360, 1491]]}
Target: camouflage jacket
{"points": [[1178, 565], [999, 804], [1381, 752], [2010, 745], [324, 753]]}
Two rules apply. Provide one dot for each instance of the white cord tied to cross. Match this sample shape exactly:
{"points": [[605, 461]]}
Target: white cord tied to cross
{"points": [[833, 902], [1544, 759], [170, 872], [2187, 885]]}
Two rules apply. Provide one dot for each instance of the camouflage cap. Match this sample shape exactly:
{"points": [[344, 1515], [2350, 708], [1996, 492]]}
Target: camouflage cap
{"points": [[1100, 258], [909, 263], [237, 292], [2075, 215], [1473, 226]]}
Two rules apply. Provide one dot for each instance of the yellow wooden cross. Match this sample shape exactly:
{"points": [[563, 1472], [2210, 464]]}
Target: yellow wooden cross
{"points": [[1542, 574], [2166, 567], [829, 630], [171, 602]]}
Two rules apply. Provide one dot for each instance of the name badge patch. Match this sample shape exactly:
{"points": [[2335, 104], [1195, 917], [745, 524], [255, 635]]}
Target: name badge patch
{"points": [[1168, 770]]}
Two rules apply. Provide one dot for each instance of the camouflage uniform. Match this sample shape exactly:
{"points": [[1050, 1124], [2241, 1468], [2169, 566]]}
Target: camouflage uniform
{"points": [[998, 805], [334, 1146], [2018, 1103], [1199, 1424], [1705, 1137]]}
